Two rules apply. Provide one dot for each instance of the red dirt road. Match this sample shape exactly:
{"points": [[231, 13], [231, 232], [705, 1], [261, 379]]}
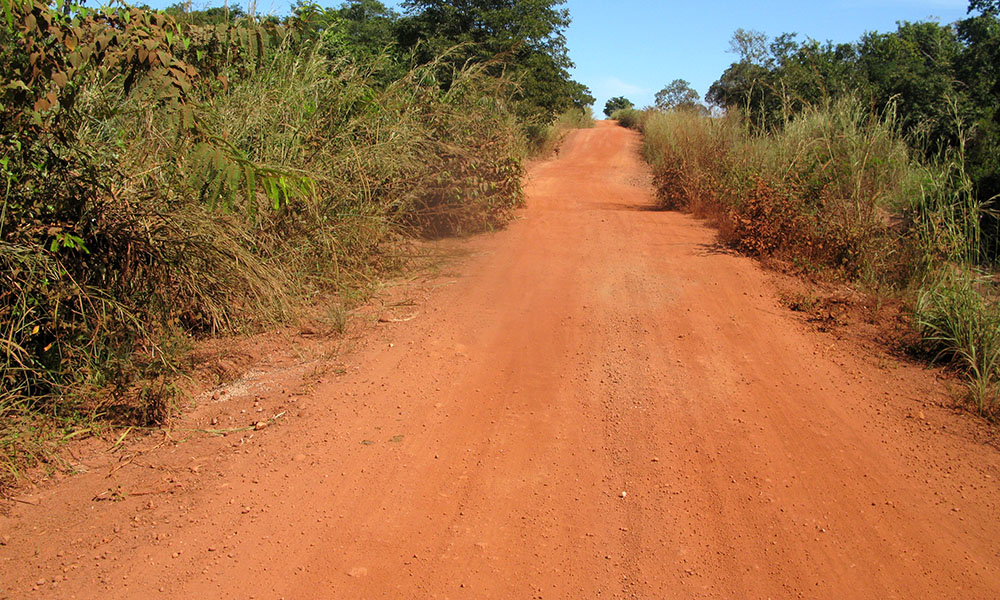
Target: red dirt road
{"points": [[601, 403]]}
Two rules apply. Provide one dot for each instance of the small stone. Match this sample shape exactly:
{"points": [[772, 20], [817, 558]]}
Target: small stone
{"points": [[623, 494], [358, 572], [260, 425]]}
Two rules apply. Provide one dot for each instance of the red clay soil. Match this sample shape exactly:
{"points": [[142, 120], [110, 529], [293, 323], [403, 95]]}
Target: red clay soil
{"points": [[600, 403]]}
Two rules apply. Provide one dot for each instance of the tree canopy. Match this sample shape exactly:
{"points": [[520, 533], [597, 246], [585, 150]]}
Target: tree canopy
{"points": [[617, 103], [525, 38], [985, 6], [677, 94], [941, 81]]}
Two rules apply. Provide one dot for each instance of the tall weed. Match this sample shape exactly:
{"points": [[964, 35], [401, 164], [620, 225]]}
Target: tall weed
{"points": [[959, 316]]}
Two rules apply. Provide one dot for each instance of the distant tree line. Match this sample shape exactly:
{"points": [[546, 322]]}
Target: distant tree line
{"points": [[520, 38], [942, 81]]}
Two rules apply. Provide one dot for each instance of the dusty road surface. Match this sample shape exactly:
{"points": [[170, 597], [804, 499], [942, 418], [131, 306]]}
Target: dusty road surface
{"points": [[597, 402]]}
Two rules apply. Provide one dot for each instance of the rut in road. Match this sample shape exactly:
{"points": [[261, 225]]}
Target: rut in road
{"points": [[603, 404]]}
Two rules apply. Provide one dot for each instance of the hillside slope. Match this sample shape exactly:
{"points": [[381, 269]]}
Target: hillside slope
{"points": [[602, 402]]}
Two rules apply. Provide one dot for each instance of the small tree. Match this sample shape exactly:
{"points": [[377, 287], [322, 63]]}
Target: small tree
{"points": [[750, 45], [677, 94], [617, 103], [991, 7]]}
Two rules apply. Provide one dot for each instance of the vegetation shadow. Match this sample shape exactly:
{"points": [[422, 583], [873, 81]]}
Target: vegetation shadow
{"points": [[624, 206], [716, 248]]}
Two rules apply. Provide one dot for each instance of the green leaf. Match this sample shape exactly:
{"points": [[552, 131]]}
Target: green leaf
{"points": [[250, 177], [8, 14]]}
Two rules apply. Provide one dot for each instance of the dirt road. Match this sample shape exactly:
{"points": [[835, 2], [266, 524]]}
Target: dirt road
{"points": [[600, 403]]}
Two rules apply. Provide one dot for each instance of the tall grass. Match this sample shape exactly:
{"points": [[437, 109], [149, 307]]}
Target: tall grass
{"points": [[959, 317], [629, 117], [837, 189], [300, 179], [828, 190]]}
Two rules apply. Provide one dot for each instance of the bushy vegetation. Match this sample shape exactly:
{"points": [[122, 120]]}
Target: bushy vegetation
{"points": [[943, 81], [169, 175], [678, 94], [615, 104], [628, 117], [838, 190], [874, 161]]}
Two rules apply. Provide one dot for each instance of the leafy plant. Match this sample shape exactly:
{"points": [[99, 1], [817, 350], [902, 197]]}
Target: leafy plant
{"points": [[615, 104]]}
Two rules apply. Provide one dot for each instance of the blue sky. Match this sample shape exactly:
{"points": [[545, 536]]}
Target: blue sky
{"points": [[633, 48]]}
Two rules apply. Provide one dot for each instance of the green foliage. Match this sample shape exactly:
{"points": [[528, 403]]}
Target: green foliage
{"points": [[615, 104], [523, 38], [941, 80], [167, 177], [677, 94], [217, 15], [915, 67], [628, 117], [985, 6], [959, 316]]}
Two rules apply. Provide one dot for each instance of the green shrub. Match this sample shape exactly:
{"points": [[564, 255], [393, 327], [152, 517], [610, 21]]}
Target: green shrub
{"points": [[628, 117]]}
